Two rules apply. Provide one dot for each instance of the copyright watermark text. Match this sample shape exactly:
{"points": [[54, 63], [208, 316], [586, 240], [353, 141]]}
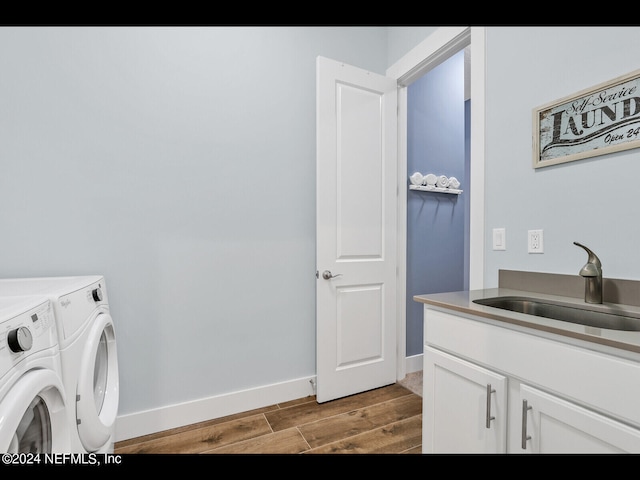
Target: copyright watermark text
{"points": [[60, 459]]}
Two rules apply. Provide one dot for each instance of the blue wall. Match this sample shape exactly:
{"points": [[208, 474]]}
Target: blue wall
{"points": [[436, 222]]}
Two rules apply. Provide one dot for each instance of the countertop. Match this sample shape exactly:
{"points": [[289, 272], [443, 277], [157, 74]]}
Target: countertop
{"points": [[462, 302]]}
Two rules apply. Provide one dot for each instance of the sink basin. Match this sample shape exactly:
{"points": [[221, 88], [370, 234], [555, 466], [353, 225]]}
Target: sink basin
{"points": [[565, 312]]}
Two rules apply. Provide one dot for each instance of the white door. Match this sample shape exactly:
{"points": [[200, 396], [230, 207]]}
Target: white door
{"points": [[356, 222]]}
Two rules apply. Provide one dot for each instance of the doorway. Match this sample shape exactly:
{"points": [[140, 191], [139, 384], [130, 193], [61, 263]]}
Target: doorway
{"points": [[437, 221], [434, 50]]}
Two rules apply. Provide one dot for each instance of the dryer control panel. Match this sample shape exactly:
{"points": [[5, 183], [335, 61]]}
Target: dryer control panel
{"points": [[76, 307], [73, 299], [27, 327]]}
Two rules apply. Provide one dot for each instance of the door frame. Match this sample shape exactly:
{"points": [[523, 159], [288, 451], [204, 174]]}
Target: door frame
{"points": [[435, 49]]}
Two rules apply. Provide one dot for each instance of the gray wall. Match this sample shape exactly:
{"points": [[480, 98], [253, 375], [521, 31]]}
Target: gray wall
{"points": [[180, 164], [402, 39], [594, 201]]}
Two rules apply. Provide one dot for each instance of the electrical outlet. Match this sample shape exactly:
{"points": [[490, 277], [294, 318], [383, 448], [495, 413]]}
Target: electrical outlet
{"points": [[535, 241]]}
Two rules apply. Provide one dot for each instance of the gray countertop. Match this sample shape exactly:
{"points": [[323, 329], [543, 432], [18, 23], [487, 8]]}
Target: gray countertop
{"points": [[462, 302]]}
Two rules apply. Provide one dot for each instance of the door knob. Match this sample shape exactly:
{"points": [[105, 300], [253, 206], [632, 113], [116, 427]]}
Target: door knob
{"points": [[327, 275]]}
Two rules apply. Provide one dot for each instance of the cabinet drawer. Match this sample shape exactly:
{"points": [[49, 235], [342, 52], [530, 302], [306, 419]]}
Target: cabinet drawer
{"points": [[607, 383]]}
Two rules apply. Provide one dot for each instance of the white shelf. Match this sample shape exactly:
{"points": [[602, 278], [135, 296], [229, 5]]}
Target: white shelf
{"points": [[429, 188]]}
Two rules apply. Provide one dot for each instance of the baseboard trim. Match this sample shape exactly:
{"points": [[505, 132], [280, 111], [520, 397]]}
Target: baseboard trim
{"points": [[173, 416], [414, 363], [164, 418]]}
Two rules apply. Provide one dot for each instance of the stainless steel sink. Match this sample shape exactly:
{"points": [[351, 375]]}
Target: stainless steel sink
{"points": [[589, 315]]}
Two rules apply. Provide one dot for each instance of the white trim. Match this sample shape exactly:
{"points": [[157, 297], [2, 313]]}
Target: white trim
{"points": [[476, 187], [414, 363], [164, 418], [431, 52], [173, 416], [401, 243]]}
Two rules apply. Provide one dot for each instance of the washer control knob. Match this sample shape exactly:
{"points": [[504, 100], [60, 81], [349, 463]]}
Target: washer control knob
{"points": [[97, 294], [20, 339]]}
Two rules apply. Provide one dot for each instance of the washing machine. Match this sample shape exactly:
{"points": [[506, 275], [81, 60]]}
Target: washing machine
{"points": [[88, 355], [33, 401]]}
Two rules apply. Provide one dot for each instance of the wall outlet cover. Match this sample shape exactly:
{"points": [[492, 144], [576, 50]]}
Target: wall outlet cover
{"points": [[535, 242]]}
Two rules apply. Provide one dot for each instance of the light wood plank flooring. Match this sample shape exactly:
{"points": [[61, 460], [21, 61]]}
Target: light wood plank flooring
{"points": [[386, 420]]}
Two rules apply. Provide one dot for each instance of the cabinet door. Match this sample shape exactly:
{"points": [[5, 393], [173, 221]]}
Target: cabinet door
{"points": [[553, 425], [464, 406]]}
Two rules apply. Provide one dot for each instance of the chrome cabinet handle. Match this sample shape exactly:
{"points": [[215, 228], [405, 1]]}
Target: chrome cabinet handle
{"points": [[525, 437], [489, 417], [327, 275]]}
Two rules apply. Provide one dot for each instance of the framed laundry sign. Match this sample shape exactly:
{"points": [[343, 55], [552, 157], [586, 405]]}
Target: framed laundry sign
{"points": [[599, 120]]}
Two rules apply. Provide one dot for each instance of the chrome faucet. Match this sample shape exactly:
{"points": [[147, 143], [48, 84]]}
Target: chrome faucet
{"points": [[592, 273]]}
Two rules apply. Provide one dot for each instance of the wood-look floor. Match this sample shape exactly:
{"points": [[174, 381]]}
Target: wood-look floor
{"points": [[386, 420]]}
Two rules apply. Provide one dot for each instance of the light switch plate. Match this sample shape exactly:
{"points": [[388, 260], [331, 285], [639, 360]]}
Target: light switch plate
{"points": [[499, 239]]}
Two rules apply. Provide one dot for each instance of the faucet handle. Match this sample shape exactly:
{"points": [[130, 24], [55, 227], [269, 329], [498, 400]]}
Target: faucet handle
{"points": [[592, 271], [593, 262]]}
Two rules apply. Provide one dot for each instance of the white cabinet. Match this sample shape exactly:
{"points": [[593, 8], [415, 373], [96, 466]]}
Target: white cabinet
{"points": [[553, 425], [466, 411], [492, 389]]}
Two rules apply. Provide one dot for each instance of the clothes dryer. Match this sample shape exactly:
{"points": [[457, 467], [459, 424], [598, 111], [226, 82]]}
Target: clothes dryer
{"points": [[88, 355], [33, 407]]}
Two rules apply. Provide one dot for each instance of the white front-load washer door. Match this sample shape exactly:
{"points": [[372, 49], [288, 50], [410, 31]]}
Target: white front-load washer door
{"points": [[97, 389], [33, 415]]}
